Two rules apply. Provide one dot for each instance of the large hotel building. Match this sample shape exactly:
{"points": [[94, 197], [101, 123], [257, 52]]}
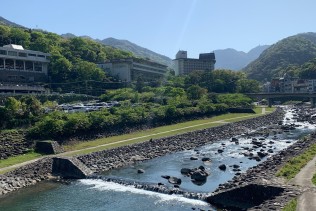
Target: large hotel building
{"points": [[20, 69], [185, 65], [130, 69]]}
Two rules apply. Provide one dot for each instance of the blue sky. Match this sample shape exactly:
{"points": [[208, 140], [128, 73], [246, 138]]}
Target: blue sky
{"points": [[165, 26]]}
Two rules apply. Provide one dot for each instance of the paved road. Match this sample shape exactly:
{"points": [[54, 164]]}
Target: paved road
{"points": [[307, 201], [224, 121]]}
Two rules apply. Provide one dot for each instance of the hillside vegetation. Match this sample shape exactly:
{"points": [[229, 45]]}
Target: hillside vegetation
{"points": [[72, 59], [289, 53]]}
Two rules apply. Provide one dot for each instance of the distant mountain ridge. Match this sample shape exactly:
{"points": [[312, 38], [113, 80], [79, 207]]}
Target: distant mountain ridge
{"points": [[6, 22], [225, 59], [236, 60], [274, 61]]}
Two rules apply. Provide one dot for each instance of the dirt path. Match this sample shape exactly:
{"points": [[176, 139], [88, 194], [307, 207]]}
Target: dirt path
{"points": [[224, 121], [307, 201], [263, 110]]}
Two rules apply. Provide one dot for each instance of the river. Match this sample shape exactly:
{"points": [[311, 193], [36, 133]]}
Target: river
{"points": [[97, 194]]}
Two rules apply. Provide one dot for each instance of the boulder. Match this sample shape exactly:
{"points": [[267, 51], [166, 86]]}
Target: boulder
{"points": [[206, 159], [140, 171], [186, 171], [194, 158], [222, 167], [199, 175], [165, 176], [234, 139], [174, 181]]}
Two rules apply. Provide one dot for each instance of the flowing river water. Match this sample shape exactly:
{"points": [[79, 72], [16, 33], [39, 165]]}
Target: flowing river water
{"points": [[97, 194]]}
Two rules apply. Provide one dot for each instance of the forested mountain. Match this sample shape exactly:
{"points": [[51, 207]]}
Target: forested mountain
{"points": [[285, 55], [4, 21], [236, 60], [72, 59], [137, 50]]}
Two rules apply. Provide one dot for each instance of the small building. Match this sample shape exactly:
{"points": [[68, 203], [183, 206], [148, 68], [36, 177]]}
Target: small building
{"points": [[130, 69], [185, 65], [20, 69]]}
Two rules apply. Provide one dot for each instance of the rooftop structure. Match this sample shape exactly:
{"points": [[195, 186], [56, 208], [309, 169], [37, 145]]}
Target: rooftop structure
{"points": [[185, 65], [131, 68]]}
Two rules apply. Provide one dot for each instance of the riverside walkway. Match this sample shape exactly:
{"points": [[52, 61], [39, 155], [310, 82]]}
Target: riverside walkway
{"points": [[307, 201]]}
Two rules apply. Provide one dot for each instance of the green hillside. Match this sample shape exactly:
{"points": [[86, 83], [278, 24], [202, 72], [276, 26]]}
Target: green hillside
{"points": [[72, 59], [279, 58]]}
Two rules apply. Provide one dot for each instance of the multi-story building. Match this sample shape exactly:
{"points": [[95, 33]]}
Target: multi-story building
{"points": [[185, 65], [288, 84], [130, 69], [19, 68]]}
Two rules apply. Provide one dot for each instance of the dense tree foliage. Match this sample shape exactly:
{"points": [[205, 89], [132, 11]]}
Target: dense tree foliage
{"points": [[292, 51], [308, 70], [72, 59]]}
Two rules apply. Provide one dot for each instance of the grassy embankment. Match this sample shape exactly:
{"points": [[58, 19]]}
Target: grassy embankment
{"points": [[293, 166], [160, 132], [291, 206], [140, 136], [314, 179]]}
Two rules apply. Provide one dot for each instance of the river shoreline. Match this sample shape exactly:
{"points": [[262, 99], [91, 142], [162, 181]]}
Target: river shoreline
{"points": [[122, 156], [108, 159]]}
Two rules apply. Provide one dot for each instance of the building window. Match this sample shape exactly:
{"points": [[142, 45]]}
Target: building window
{"points": [[12, 53], [1, 64], [42, 56], [29, 65], [31, 54], [19, 65], [22, 54], [9, 64], [3, 52], [38, 66]]}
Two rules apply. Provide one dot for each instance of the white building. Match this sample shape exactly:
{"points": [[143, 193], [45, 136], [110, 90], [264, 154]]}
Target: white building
{"points": [[130, 69], [21, 70], [18, 65], [185, 65]]}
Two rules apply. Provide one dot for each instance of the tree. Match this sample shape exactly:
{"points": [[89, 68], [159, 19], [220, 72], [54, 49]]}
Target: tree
{"points": [[195, 92], [20, 37], [139, 84], [12, 105], [31, 106], [83, 70], [248, 86]]}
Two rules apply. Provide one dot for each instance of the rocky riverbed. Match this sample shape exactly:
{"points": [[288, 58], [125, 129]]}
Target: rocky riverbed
{"points": [[123, 156], [114, 158]]}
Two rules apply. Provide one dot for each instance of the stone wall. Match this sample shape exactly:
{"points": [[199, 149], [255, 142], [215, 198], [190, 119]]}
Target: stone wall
{"points": [[27, 175], [13, 143]]}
